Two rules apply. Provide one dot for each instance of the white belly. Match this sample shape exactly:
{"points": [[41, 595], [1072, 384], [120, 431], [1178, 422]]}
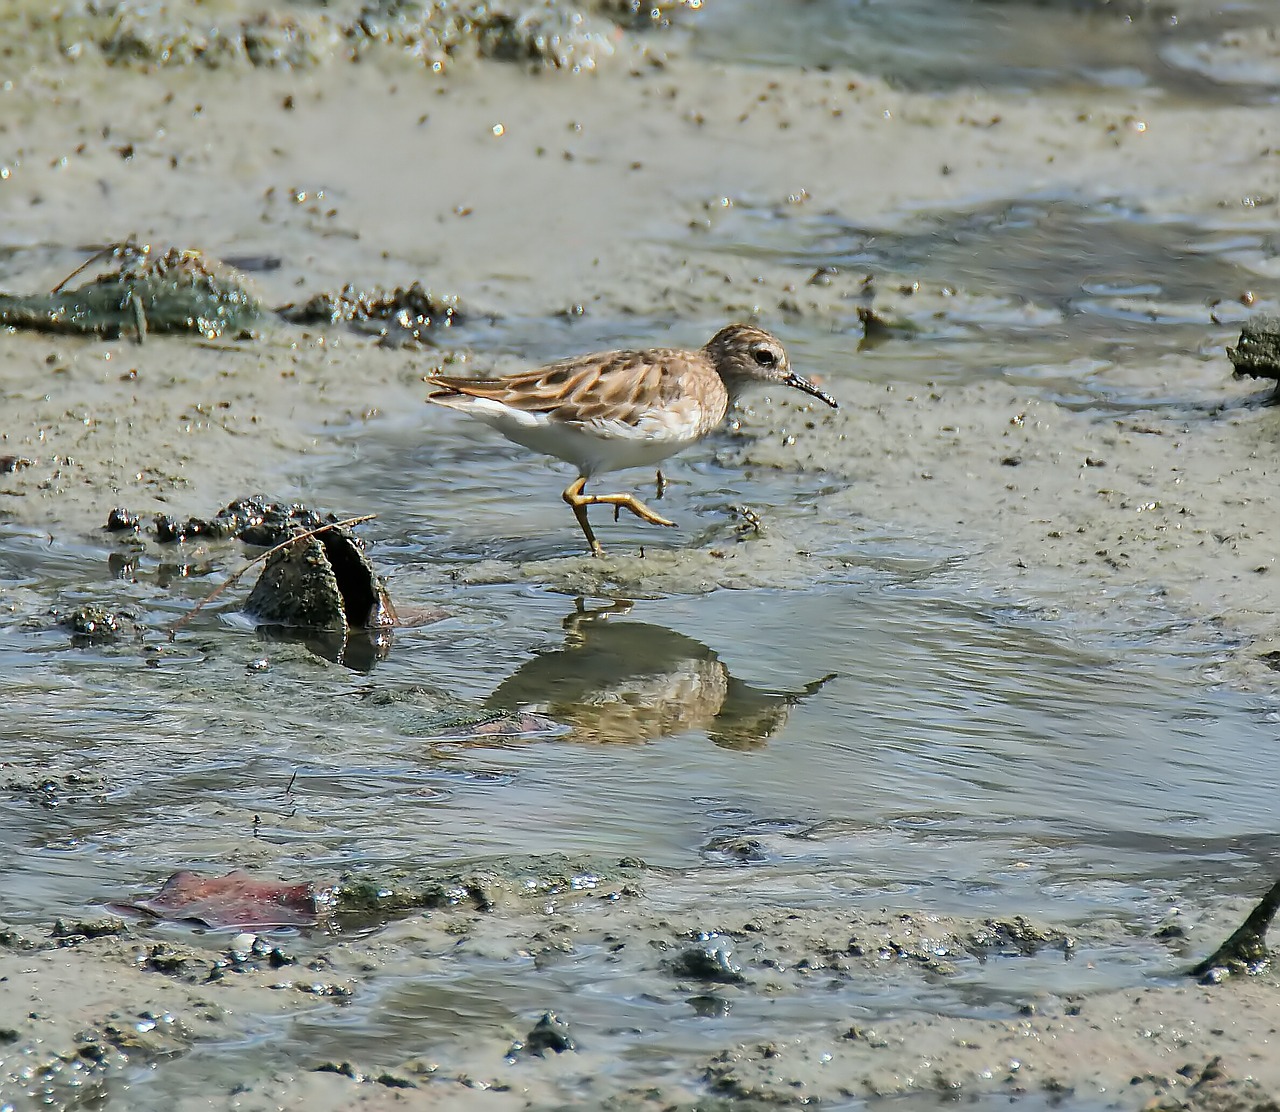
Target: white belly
{"points": [[591, 453], [595, 448]]}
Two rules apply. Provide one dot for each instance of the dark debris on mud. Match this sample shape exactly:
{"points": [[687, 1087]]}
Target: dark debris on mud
{"points": [[255, 521], [1257, 354], [550, 1033], [399, 317], [141, 290]]}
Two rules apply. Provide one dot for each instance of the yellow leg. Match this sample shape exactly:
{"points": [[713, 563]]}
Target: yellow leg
{"points": [[579, 503], [573, 495]]}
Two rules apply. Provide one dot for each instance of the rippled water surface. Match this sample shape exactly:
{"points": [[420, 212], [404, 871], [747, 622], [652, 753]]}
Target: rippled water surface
{"points": [[886, 736], [1176, 48], [1073, 298], [873, 728], [887, 727]]}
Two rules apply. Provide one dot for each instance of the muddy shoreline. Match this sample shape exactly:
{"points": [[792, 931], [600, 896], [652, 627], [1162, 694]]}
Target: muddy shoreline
{"points": [[1157, 519], [103, 996]]}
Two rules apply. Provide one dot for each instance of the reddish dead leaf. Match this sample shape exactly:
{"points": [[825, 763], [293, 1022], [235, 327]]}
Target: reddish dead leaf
{"points": [[238, 899], [413, 617]]}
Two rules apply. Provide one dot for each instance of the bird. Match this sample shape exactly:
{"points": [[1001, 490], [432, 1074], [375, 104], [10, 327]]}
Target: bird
{"points": [[611, 410]]}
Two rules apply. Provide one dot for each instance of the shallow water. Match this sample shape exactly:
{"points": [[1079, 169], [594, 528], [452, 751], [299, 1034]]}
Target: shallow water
{"points": [[867, 726], [961, 750], [1073, 300], [1168, 48], [965, 756]]}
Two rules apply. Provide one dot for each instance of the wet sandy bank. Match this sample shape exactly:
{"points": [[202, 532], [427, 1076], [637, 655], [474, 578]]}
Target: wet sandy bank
{"points": [[101, 998]]}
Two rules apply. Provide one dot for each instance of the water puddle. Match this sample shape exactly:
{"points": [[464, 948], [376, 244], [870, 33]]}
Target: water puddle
{"points": [[1208, 52], [890, 740], [1076, 301], [890, 734]]}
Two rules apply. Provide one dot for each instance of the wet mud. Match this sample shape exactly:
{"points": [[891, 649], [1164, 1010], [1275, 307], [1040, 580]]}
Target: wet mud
{"points": [[140, 1000], [1023, 305]]}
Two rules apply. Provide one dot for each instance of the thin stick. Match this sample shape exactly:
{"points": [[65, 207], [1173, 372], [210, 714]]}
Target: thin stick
{"points": [[101, 253], [181, 622]]}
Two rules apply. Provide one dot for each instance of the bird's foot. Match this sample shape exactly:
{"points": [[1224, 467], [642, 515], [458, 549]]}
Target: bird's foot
{"points": [[579, 502], [621, 502]]}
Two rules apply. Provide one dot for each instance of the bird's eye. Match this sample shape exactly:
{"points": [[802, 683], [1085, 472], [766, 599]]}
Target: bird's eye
{"points": [[764, 357]]}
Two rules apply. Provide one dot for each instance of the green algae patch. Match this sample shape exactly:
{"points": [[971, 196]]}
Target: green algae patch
{"points": [[141, 291], [512, 883]]}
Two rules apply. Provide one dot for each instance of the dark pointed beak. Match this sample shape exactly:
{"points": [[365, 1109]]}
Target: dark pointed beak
{"points": [[808, 387]]}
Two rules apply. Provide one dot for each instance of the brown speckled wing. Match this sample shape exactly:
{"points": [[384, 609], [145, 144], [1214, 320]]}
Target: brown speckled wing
{"points": [[622, 386]]}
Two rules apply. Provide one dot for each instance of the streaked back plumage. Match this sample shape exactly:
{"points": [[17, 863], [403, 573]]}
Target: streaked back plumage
{"points": [[619, 409]]}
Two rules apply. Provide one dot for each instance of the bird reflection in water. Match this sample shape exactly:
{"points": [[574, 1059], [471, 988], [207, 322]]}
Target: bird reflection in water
{"points": [[619, 681]]}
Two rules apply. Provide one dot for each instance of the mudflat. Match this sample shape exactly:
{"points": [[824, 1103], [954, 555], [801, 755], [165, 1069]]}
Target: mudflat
{"points": [[595, 180]]}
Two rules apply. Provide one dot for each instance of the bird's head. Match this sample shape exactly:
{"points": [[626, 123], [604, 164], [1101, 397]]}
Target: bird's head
{"points": [[744, 354]]}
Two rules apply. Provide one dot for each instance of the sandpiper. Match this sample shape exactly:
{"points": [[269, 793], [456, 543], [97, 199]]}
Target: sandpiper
{"points": [[617, 409]]}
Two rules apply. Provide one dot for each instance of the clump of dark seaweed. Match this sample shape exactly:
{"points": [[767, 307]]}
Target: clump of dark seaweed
{"points": [[119, 520], [1257, 354], [405, 314], [252, 520], [141, 291]]}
